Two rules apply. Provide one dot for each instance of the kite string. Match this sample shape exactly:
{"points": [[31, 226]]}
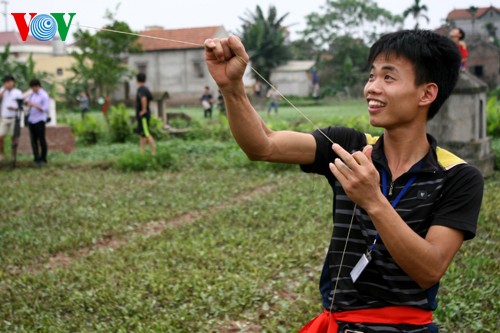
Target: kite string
{"points": [[246, 62]]}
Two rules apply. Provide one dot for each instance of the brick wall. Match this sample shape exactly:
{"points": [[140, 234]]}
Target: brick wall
{"points": [[59, 138]]}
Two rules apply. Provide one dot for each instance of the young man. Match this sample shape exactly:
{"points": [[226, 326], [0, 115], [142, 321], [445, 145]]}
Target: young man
{"points": [[207, 102], [402, 206], [9, 109], [38, 103], [458, 36], [143, 114]]}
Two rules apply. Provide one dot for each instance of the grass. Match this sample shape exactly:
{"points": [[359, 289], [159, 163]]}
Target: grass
{"points": [[239, 245]]}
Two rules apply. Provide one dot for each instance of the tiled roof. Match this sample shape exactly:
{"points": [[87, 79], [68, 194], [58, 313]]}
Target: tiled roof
{"points": [[463, 14], [174, 38], [13, 38]]}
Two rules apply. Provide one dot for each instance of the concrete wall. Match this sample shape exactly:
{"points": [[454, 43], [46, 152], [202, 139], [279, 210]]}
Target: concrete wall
{"points": [[460, 125], [292, 83], [484, 57], [182, 73]]}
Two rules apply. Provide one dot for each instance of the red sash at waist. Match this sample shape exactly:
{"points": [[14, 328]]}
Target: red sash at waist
{"points": [[391, 315]]}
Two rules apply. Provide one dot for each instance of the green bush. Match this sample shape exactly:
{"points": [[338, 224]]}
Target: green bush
{"points": [[165, 159], [156, 129], [119, 124], [87, 130], [493, 117], [135, 161], [495, 144]]}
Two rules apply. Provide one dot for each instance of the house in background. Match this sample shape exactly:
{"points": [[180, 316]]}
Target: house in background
{"points": [[484, 61], [481, 30], [475, 24], [20, 50], [294, 78], [51, 56], [172, 65]]}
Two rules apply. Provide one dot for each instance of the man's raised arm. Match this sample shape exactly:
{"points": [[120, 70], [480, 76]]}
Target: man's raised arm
{"points": [[226, 60]]}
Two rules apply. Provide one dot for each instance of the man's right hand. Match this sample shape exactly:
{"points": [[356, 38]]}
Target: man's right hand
{"points": [[226, 60]]}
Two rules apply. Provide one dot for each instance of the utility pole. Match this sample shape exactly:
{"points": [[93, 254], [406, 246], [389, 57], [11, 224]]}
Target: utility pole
{"points": [[5, 15]]}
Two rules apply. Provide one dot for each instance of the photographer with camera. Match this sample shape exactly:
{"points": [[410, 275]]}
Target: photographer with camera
{"points": [[9, 110]]}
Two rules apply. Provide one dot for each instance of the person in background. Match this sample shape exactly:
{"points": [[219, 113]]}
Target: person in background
{"points": [[143, 114], [84, 102], [38, 108], [458, 36], [257, 88], [274, 97], [9, 109], [220, 104], [207, 101]]}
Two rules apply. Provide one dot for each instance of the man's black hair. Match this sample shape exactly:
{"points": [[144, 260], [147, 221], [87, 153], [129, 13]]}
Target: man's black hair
{"points": [[435, 59], [7, 78], [35, 83], [141, 77]]}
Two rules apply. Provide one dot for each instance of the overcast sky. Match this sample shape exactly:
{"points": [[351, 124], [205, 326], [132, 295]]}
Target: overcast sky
{"points": [[190, 13]]}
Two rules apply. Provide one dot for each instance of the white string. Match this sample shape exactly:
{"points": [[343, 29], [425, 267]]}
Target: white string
{"points": [[342, 258], [284, 98], [201, 45]]}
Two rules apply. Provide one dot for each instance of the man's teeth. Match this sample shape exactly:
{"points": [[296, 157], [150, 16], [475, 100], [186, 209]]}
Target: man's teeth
{"points": [[376, 103]]}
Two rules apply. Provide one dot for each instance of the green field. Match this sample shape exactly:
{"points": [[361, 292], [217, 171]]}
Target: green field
{"points": [[215, 244]]}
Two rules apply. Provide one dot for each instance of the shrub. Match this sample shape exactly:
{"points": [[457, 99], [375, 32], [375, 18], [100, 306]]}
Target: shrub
{"points": [[165, 159], [495, 144], [493, 117], [156, 129], [136, 161], [119, 124], [87, 130]]}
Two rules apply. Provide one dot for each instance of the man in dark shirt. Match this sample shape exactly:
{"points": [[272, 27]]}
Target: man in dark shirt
{"points": [[143, 114], [402, 205]]}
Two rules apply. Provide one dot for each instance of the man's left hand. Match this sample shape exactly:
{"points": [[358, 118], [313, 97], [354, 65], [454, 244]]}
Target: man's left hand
{"points": [[357, 175]]}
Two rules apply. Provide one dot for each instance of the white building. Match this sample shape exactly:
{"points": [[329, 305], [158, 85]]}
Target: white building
{"points": [[174, 62], [294, 78]]}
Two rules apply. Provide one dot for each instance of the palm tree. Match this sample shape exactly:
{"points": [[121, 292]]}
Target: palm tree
{"points": [[265, 39], [417, 11]]}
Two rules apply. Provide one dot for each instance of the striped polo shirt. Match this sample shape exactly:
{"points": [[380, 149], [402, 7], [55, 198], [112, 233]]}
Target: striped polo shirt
{"points": [[447, 192]]}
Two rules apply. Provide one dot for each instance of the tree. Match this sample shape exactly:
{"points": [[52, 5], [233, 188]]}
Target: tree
{"points": [[265, 40], [358, 19], [303, 49], [416, 11], [342, 32], [100, 59], [23, 72], [346, 68]]}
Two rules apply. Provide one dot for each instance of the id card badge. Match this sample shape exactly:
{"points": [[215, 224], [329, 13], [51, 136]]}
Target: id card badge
{"points": [[360, 266]]}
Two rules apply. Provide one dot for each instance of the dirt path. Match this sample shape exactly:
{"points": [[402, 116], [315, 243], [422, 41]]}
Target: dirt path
{"points": [[63, 259]]}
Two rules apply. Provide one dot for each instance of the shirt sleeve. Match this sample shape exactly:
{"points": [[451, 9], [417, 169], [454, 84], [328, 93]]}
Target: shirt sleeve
{"points": [[348, 138], [459, 205], [45, 103], [17, 94], [141, 92]]}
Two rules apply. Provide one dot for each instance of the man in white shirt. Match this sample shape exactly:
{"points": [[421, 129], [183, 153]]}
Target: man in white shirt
{"points": [[9, 109]]}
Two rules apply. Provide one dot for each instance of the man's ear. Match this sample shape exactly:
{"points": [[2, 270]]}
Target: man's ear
{"points": [[429, 94]]}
